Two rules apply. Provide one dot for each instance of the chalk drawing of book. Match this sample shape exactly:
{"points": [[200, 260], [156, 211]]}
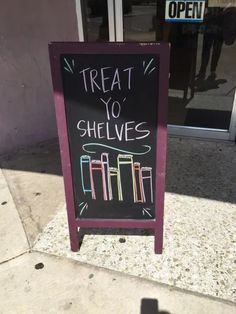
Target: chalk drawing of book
{"points": [[105, 161], [114, 172], [97, 165], [85, 169], [127, 160], [139, 192], [146, 173]]}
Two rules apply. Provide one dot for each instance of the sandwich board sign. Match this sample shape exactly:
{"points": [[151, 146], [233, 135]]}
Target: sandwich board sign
{"points": [[185, 11], [111, 109]]}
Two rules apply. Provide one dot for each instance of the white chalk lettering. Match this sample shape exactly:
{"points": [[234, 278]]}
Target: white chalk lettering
{"points": [[117, 105], [127, 129], [84, 78], [104, 79], [100, 126], [146, 132], [91, 129], [129, 76], [106, 104], [108, 132], [119, 133], [116, 80], [92, 79], [81, 129]]}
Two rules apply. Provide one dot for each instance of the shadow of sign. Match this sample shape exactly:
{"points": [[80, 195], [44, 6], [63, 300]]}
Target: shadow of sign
{"points": [[150, 306]]}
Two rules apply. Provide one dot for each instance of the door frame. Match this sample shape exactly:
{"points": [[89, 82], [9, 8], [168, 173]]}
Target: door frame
{"points": [[116, 33]]}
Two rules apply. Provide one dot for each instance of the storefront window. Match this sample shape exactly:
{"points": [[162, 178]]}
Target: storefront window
{"points": [[95, 20], [202, 65]]}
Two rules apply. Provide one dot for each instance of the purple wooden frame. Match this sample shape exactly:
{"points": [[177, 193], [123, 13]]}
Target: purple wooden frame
{"points": [[162, 49]]}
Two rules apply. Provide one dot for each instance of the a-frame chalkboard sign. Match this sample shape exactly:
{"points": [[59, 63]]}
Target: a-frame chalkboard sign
{"points": [[111, 109]]}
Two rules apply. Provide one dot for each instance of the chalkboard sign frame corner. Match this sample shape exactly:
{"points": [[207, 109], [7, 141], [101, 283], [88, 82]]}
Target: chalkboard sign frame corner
{"points": [[56, 49]]}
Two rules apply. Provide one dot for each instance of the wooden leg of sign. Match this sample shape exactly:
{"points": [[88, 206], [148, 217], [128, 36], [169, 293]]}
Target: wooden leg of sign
{"points": [[74, 238], [158, 241]]}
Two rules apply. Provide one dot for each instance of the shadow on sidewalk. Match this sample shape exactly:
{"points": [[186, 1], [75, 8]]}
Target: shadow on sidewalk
{"points": [[150, 306], [114, 231], [204, 169]]}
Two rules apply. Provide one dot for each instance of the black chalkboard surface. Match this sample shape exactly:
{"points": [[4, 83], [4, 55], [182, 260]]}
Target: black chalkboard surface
{"points": [[111, 112]]}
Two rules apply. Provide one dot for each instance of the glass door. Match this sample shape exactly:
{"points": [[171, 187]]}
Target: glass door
{"points": [[95, 20], [202, 65]]}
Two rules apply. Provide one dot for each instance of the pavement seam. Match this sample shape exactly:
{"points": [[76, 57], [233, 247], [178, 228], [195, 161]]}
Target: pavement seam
{"points": [[15, 257], [12, 196], [162, 285]]}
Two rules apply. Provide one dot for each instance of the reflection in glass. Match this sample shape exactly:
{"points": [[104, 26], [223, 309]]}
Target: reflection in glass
{"points": [[95, 20], [139, 19], [202, 64]]}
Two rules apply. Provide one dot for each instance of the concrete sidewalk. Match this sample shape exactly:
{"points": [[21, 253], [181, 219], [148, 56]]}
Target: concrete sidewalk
{"points": [[40, 283], [199, 253]]}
